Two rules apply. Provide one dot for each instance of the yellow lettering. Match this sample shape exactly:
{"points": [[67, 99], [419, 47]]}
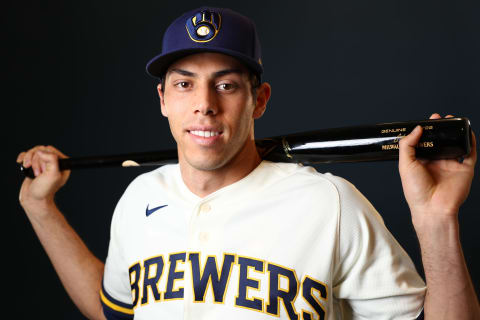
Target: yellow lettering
{"points": [[395, 130], [425, 144], [390, 146]]}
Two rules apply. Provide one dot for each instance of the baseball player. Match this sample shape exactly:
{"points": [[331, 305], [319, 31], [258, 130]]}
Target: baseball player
{"points": [[225, 234]]}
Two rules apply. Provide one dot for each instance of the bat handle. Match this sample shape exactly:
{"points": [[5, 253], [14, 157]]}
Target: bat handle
{"points": [[27, 172]]}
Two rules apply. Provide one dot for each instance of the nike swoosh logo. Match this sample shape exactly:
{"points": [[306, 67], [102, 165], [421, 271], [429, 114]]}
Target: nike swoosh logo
{"points": [[150, 211]]}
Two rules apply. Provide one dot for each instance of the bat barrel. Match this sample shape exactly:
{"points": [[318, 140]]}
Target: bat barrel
{"points": [[441, 139]]}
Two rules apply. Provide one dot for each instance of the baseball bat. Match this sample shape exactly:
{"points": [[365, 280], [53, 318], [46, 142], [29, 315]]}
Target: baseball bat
{"points": [[447, 138]]}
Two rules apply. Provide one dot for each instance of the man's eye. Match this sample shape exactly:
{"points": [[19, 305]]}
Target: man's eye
{"points": [[182, 84], [226, 86]]}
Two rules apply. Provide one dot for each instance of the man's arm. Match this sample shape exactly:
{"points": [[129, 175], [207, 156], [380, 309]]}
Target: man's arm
{"points": [[434, 191], [78, 269]]}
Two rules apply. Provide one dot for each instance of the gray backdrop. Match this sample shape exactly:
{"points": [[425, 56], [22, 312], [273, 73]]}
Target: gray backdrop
{"points": [[75, 79]]}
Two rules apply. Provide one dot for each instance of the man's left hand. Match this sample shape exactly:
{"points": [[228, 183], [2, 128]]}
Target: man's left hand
{"points": [[434, 189]]}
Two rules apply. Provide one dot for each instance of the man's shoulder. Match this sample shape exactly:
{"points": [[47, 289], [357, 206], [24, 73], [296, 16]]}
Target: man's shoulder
{"points": [[306, 172], [158, 177], [162, 172], [309, 176]]}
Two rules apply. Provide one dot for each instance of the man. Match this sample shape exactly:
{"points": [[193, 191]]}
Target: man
{"points": [[227, 235]]}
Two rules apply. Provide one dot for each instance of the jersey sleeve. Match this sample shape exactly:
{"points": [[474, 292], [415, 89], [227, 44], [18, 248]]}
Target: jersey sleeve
{"points": [[374, 276], [115, 293]]}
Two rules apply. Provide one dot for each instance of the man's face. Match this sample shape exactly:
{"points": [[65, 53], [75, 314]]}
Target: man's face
{"points": [[210, 108]]}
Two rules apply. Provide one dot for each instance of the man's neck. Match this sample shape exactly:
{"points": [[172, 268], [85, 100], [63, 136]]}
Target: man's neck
{"points": [[204, 182]]}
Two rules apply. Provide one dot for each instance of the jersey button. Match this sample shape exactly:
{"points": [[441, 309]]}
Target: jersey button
{"points": [[203, 237], [205, 208]]}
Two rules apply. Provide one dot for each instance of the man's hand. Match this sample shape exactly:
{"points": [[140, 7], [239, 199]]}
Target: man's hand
{"points": [[37, 194], [434, 190], [78, 269]]}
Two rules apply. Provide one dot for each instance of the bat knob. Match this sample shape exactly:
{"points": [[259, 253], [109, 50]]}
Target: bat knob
{"points": [[27, 172]]}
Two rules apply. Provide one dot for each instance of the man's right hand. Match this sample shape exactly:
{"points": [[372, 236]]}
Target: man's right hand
{"points": [[38, 194], [78, 269]]}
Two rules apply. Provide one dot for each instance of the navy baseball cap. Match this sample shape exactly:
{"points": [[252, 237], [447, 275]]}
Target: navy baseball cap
{"points": [[209, 30]]}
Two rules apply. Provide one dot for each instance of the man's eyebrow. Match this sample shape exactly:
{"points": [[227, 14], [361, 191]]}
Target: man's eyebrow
{"points": [[216, 74], [221, 73], [183, 72]]}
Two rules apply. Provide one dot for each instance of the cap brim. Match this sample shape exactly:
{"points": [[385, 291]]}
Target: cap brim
{"points": [[159, 64]]}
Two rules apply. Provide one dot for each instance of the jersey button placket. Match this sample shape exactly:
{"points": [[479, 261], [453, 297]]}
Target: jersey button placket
{"points": [[205, 208], [203, 235], [195, 243], [199, 235]]}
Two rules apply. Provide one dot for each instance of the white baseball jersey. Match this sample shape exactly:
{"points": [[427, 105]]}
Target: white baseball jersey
{"points": [[285, 241]]}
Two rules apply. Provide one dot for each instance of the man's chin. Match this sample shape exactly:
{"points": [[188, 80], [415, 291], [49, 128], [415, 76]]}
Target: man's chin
{"points": [[208, 164]]}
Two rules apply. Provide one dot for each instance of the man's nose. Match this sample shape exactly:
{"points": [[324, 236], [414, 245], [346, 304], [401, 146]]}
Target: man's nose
{"points": [[205, 101]]}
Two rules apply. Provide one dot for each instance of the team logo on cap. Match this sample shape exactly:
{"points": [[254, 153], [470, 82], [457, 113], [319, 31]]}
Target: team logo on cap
{"points": [[203, 26]]}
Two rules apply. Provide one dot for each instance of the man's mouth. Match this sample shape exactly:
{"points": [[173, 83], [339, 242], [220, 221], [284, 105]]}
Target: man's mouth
{"points": [[204, 134]]}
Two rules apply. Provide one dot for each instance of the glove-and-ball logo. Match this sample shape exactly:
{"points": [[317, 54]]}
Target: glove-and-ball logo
{"points": [[203, 26]]}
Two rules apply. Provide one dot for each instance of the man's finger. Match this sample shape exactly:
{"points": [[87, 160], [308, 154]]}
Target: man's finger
{"points": [[56, 151], [49, 160], [34, 161], [20, 157], [472, 157], [407, 144], [27, 160]]}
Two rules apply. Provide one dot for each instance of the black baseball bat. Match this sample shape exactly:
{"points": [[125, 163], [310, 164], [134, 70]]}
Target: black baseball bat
{"points": [[448, 138]]}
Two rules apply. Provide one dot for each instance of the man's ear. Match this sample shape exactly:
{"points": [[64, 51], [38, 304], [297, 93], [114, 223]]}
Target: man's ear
{"points": [[263, 95], [161, 95]]}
